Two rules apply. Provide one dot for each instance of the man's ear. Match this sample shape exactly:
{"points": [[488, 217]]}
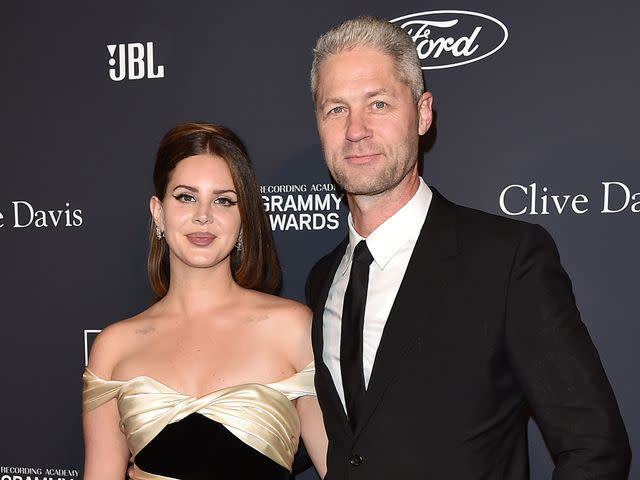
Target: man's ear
{"points": [[425, 114]]}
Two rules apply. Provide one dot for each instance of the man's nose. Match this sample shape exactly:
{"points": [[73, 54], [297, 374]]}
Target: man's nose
{"points": [[357, 127]]}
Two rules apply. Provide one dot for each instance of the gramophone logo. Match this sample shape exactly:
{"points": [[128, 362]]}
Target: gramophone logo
{"points": [[450, 38]]}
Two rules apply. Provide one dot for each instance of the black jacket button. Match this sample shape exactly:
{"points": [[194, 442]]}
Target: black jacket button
{"points": [[356, 460]]}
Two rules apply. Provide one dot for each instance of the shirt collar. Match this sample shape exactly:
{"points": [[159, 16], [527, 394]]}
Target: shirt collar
{"points": [[401, 228]]}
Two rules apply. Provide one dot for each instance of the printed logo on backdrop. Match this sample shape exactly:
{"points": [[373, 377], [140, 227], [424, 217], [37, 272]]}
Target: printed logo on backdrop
{"points": [[38, 473], [24, 214], [302, 206], [89, 337], [133, 61], [538, 199], [450, 38]]}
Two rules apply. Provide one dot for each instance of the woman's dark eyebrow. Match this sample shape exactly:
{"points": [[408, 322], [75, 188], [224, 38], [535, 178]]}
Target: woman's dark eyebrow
{"points": [[195, 190]]}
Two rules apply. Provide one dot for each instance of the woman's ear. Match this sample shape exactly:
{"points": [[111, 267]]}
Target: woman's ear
{"points": [[155, 207]]}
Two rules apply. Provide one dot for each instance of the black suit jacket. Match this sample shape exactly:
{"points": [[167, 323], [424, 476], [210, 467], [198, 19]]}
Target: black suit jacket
{"points": [[484, 329]]}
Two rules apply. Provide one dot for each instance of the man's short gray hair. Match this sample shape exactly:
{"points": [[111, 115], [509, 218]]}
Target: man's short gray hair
{"points": [[372, 32]]}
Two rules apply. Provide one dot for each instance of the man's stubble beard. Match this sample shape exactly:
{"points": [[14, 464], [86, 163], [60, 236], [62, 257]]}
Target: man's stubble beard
{"points": [[384, 180], [354, 184]]}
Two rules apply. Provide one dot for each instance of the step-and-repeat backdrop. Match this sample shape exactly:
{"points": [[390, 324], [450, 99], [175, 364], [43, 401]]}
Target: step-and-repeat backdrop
{"points": [[537, 118]]}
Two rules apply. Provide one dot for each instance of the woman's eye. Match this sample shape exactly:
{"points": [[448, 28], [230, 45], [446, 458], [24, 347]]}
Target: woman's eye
{"points": [[224, 201], [185, 197]]}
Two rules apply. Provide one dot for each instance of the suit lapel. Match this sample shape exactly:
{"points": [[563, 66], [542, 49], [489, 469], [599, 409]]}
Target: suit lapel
{"points": [[323, 376], [429, 271]]}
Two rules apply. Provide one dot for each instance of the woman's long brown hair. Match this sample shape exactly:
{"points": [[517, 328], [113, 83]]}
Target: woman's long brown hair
{"points": [[256, 265]]}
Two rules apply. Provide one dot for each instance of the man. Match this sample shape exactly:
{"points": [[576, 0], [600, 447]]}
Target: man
{"points": [[438, 328]]}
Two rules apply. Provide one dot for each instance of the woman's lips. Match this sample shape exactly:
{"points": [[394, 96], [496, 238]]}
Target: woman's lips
{"points": [[201, 239]]}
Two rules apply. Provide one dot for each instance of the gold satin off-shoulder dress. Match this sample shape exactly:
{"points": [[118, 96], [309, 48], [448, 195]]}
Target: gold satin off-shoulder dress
{"points": [[260, 419]]}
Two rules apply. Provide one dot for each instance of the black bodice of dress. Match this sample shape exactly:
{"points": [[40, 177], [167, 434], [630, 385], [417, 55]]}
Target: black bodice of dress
{"points": [[197, 448]]}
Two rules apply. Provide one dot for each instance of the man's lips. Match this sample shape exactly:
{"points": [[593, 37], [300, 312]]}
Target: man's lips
{"points": [[361, 157], [202, 239]]}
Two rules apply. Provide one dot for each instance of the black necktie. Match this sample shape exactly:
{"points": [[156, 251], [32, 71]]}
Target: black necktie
{"points": [[355, 299]]}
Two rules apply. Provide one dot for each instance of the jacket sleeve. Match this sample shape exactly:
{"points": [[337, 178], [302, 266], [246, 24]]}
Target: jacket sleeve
{"points": [[558, 367]]}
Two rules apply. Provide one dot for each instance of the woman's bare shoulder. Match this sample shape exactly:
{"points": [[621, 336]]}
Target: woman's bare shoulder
{"points": [[116, 340], [289, 324], [283, 309]]}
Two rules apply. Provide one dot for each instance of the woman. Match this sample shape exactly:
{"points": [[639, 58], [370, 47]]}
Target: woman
{"points": [[215, 379]]}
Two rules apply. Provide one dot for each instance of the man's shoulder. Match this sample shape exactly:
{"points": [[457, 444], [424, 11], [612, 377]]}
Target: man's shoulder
{"points": [[489, 223], [482, 227]]}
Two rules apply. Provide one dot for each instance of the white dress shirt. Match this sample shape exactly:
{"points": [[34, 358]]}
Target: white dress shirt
{"points": [[391, 245]]}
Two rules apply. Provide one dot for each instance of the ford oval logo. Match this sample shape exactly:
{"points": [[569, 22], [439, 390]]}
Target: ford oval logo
{"points": [[450, 38]]}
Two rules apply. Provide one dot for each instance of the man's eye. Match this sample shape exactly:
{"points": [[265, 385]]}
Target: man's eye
{"points": [[185, 197], [379, 104], [335, 110]]}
